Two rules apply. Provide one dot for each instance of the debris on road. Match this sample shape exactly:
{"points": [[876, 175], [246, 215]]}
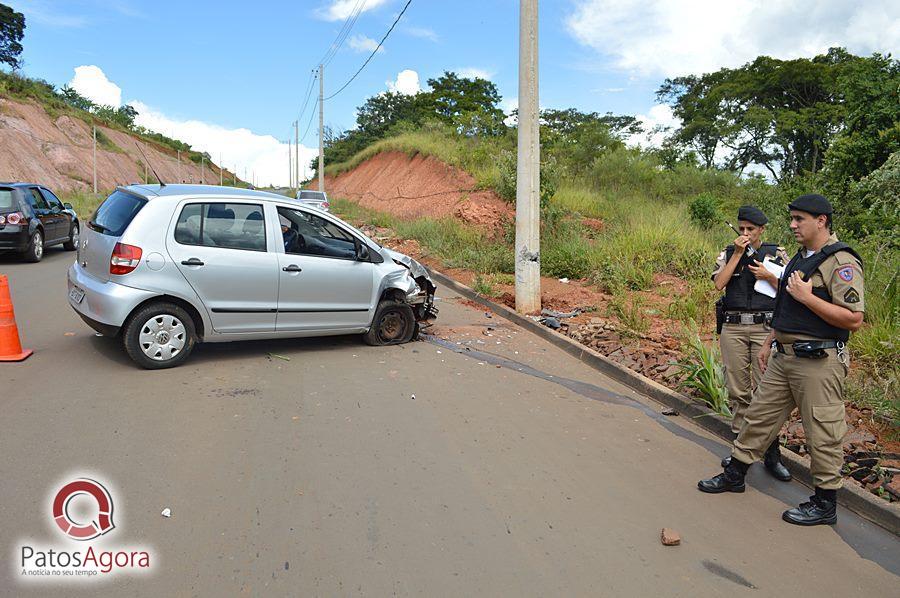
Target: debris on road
{"points": [[669, 537], [564, 280], [167, 512], [551, 323], [277, 356], [669, 411], [69, 334], [413, 397], [560, 315]]}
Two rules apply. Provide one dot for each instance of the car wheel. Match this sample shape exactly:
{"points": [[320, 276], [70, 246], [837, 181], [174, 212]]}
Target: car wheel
{"points": [[72, 243], [160, 335], [35, 250], [393, 324]]}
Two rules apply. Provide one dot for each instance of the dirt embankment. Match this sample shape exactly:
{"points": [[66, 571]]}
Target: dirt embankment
{"points": [[420, 186], [57, 152]]}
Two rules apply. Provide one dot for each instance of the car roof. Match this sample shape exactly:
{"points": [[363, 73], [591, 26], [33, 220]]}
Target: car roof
{"points": [[151, 191], [21, 185]]}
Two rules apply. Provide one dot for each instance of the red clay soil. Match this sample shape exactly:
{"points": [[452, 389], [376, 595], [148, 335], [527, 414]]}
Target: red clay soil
{"points": [[420, 186], [57, 152]]}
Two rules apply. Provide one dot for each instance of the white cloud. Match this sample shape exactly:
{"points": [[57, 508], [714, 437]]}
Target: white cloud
{"points": [[508, 105], [657, 124], [673, 37], [423, 32], [471, 72], [91, 82], [338, 10], [407, 83], [361, 43], [241, 148]]}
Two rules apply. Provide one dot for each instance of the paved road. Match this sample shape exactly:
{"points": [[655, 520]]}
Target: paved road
{"points": [[323, 476]]}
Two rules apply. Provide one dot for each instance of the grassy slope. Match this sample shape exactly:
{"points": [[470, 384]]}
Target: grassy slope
{"points": [[647, 231]]}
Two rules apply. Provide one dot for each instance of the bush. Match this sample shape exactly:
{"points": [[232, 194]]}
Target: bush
{"points": [[704, 210]]}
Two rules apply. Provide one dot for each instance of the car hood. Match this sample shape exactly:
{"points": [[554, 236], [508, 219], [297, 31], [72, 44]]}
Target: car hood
{"points": [[415, 268]]}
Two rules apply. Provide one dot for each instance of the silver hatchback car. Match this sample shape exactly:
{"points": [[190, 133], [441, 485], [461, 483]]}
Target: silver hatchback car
{"points": [[167, 266]]}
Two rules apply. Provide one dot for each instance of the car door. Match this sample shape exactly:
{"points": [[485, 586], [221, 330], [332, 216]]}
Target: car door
{"points": [[42, 212], [220, 248], [322, 284], [62, 219]]}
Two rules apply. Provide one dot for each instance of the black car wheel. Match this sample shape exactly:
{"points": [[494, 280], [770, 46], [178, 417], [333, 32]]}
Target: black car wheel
{"points": [[394, 323], [72, 243], [158, 336], [35, 250]]}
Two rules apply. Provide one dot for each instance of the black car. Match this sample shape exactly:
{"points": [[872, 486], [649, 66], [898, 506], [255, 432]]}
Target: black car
{"points": [[32, 218]]}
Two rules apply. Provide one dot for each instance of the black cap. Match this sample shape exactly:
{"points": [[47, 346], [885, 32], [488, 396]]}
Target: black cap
{"points": [[752, 214], [812, 204]]}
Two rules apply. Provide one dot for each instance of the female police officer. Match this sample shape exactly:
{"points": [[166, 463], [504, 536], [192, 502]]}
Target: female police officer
{"points": [[819, 302], [747, 313]]}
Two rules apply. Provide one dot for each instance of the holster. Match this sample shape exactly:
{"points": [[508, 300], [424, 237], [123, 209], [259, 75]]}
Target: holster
{"points": [[720, 314]]}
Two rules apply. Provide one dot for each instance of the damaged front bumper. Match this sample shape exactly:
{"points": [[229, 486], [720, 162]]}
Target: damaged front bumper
{"points": [[420, 298]]}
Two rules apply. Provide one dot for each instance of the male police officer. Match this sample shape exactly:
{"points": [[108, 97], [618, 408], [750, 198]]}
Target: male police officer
{"points": [[746, 318], [820, 300]]}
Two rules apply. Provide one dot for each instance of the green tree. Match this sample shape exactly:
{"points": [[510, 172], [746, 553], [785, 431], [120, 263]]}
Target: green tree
{"points": [[471, 105], [12, 29]]}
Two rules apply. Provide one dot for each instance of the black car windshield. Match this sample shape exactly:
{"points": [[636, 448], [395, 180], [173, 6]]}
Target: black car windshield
{"points": [[116, 213]]}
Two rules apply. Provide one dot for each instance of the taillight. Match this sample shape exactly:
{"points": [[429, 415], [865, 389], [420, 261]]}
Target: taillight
{"points": [[325, 205], [124, 259], [13, 218]]}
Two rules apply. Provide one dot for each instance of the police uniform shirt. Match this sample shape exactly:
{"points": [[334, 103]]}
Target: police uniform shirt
{"points": [[841, 274]]}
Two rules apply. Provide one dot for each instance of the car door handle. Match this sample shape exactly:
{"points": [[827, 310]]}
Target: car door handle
{"points": [[292, 268], [192, 262]]}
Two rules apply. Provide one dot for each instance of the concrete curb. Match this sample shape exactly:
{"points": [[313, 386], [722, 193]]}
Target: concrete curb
{"points": [[879, 511]]}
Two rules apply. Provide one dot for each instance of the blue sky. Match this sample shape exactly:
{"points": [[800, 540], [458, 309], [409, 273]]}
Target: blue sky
{"points": [[229, 77]]}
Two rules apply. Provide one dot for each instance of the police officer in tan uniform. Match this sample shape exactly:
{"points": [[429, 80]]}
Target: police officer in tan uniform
{"points": [[820, 301], [746, 318]]}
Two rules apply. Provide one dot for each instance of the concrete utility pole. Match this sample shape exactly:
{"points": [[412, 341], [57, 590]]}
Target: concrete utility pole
{"points": [[290, 164], [321, 127], [297, 153], [95, 159], [528, 166]]}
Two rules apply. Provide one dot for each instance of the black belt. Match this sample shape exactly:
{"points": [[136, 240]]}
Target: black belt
{"points": [[748, 317], [810, 349]]}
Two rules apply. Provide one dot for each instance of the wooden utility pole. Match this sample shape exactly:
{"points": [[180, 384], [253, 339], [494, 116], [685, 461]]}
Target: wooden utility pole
{"points": [[321, 127], [528, 166]]}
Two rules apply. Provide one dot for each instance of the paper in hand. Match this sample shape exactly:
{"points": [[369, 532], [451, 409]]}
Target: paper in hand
{"points": [[763, 286]]}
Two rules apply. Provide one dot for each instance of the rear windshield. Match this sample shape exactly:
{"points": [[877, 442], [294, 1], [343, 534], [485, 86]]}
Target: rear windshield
{"points": [[318, 195], [6, 199], [116, 213]]}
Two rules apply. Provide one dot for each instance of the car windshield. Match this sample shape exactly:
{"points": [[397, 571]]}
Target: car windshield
{"points": [[116, 213], [6, 199]]}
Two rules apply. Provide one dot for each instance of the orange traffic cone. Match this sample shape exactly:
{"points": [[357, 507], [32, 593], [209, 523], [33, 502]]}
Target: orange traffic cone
{"points": [[10, 347]]}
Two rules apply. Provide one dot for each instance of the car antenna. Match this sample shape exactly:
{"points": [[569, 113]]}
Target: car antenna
{"points": [[153, 170]]}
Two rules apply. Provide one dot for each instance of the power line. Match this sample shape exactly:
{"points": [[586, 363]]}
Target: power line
{"points": [[375, 51], [312, 80], [311, 116], [343, 33]]}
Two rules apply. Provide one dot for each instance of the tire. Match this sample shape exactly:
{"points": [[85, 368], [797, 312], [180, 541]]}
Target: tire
{"points": [[394, 324], [144, 329], [35, 251], [72, 243]]}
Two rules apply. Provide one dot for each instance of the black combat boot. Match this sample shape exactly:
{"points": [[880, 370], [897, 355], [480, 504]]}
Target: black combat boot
{"points": [[774, 466], [730, 480], [820, 510]]}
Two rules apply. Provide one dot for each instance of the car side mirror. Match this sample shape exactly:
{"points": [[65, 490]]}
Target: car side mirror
{"points": [[68, 206], [362, 252]]}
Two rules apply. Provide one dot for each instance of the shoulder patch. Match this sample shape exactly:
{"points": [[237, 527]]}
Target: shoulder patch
{"points": [[846, 273], [851, 296]]}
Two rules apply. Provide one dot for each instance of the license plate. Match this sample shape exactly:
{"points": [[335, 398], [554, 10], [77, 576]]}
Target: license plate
{"points": [[76, 295]]}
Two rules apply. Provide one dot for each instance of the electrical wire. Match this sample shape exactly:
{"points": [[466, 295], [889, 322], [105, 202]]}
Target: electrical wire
{"points": [[311, 116], [313, 77], [375, 51], [343, 33]]}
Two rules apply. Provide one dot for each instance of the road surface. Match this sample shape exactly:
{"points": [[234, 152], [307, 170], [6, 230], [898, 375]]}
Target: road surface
{"points": [[514, 471]]}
